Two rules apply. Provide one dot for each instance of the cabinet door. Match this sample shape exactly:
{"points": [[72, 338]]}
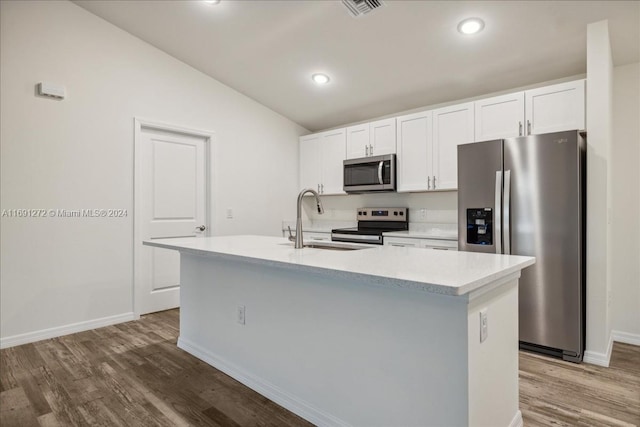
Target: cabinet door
{"points": [[415, 145], [333, 146], [310, 162], [401, 241], [316, 236], [382, 137], [443, 245], [555, 108], [452, 126], [499, 117], [358, 141]]}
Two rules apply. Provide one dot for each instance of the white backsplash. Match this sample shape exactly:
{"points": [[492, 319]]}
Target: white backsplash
{"points": [[432, 208]]}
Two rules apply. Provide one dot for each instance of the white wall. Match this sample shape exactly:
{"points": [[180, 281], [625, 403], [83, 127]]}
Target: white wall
{"points": [[599, 112], [625, 197], [78, 153]]}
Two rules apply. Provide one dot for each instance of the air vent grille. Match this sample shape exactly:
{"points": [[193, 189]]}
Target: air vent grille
{"points": [[358, 8]]}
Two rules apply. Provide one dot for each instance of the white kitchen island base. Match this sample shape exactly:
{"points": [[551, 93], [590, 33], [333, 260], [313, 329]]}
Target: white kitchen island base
{"points": [[343, 348]]}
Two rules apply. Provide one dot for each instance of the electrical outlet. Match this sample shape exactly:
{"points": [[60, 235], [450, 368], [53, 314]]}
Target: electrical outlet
{"points": [[241, 314], [229, 213], [423, 213], [484, 325]]}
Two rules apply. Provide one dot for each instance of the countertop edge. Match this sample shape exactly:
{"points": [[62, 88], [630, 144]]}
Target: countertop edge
{"points": [[371, 278]]}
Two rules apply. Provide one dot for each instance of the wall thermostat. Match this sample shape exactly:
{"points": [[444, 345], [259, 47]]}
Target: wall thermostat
{"points": [[51, 90]]}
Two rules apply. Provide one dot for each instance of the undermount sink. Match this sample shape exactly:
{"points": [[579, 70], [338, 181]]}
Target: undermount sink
{"points": [[332, 246]]}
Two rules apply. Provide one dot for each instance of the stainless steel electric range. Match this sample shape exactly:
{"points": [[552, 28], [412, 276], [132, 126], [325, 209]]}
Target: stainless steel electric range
{"points": [[372, 222]]}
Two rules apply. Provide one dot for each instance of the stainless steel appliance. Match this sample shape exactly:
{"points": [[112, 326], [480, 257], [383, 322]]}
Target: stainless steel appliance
{"points": [[372, 222], [376, 173], [526, 196]]}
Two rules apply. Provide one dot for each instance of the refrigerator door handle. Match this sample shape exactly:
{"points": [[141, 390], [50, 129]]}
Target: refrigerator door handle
{"points": [[505, 212], [498, 213]]}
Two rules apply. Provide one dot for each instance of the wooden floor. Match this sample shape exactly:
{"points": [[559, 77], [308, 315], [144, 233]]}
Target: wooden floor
{"points": [[133, 374]]}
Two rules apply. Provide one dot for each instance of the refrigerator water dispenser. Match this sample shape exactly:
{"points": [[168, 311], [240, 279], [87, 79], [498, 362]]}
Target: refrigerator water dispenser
{"points": [[480, 226]]}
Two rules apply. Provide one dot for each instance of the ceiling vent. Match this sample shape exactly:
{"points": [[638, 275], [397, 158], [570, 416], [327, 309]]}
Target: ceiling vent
{"points": [[358, 8]]}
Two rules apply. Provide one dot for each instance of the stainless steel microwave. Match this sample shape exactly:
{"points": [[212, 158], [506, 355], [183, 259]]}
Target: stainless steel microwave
{"points": [[376, 173]]}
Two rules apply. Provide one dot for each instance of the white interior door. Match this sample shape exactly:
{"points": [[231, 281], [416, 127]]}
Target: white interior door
{"points": [[172, 202]]}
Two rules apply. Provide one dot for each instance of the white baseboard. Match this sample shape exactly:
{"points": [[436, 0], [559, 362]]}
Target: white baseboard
{"points": [[270, 391], [600, 359], [626, 337], [517, 420], [59, 331]]}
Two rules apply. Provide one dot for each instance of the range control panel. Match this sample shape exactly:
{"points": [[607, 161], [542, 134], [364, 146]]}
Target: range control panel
{"points": [[480, 226], [383, 214]]}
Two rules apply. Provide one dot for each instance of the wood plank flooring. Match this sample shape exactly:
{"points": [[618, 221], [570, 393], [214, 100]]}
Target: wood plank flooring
{"points": [[558, 393], [132, 374]]}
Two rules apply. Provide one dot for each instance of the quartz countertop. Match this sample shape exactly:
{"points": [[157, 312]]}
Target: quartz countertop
{"points": [[442, 272]]}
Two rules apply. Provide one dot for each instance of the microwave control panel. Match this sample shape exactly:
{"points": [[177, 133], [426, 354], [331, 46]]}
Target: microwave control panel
{"points": [[480, 226]]}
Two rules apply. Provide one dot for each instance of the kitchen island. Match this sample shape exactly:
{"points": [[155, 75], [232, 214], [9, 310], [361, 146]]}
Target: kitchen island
{"points": [[383, 336]]}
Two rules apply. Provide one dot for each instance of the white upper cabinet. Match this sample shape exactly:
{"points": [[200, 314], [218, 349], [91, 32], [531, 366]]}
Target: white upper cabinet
{"points": [[333, 153], [452, 126], [547, 109], [310, 162], [555, 108], [382, 136], [321, 157], [415, 147], [371, 139], [499, 117], [358, 141]]}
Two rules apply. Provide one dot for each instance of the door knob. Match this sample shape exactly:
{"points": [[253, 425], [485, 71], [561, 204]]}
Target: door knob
{"points": [[201, 228]]}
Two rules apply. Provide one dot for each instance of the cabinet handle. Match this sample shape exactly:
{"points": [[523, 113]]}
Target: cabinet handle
{"points": [[366, 151], [428, 183], [371, 149], [528, 127], [519, 128], [321, 188], [318, 188], [434, 182]]}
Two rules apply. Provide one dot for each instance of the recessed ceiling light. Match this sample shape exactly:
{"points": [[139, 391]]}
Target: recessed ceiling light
{"points": [[471, 26], [212, 1], [320, 78]]}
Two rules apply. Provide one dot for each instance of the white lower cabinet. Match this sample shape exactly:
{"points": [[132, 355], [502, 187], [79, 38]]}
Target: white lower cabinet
{"points": [[309, 235], [401, 241], [316, 236], [321, 157], [437, 244]]}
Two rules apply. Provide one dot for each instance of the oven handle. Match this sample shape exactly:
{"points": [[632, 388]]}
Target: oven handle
{"points": [[380, 165], [357, 237]]}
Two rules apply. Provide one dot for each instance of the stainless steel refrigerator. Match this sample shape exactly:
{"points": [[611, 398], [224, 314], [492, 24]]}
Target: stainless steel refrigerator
{"points": [[526, 196]]}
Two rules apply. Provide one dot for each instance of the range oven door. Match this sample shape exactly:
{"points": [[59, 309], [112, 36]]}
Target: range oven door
{"points": [[377, 173], [372, 239]]}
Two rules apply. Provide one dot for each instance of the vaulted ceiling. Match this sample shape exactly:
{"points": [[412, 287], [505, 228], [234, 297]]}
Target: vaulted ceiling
{"points": [[404, 55]]}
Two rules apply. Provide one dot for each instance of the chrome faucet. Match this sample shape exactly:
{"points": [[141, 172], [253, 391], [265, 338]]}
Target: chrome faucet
{"points": [[299, 241]]}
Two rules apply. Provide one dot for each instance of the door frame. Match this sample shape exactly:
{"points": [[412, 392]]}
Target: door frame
{"points": [[209, 140]]}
